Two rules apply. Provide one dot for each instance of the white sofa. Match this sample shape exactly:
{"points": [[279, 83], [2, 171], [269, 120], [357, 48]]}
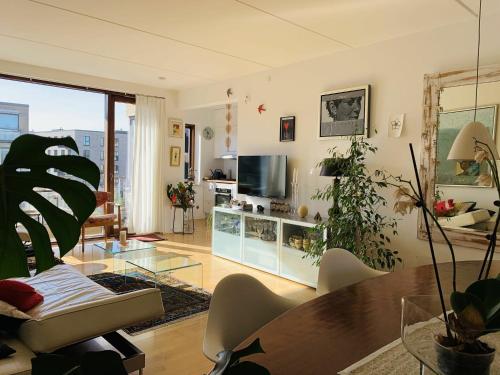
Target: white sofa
{"points": [[76, 309]]}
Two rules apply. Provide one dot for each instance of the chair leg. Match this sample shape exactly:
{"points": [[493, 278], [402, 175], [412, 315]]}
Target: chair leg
{"points": [[83, 239]]}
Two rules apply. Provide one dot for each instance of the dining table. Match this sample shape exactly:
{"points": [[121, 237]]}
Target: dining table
{"points": [[333, 331]]}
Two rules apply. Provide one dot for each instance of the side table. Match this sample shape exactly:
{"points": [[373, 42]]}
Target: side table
{"points": [[187, 223]]}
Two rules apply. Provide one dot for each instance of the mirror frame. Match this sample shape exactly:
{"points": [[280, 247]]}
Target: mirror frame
{"points": [[434, 84]]}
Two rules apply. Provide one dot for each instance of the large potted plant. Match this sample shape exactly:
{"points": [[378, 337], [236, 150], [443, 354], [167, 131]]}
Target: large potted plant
{"points": [[25, 170], [355, 222], [475, 311]]}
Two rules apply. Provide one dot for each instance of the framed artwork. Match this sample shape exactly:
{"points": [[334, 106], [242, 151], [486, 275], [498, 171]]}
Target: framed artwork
{"points": [[175, 156], [175, 126], [344, 113], [287, 129], [460, 172]]}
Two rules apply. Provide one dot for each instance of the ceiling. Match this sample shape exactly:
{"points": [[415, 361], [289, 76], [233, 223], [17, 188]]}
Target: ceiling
{"points": [[179, 44]]}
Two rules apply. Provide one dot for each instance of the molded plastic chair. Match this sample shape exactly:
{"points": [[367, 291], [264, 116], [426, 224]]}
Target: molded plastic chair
{"points": [[240, 305], [339, 268]]}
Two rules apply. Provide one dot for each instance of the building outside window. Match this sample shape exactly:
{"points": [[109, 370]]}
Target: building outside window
{"points": [[102, 154], [86, 140], [86, 153], [116, 156], [102, 141], [9, 121], [116, 168]]}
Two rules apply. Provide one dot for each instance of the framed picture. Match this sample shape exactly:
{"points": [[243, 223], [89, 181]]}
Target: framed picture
{"points": [[287, 129], [464, 172], [175, 156], [345, 113], [175, 126]]}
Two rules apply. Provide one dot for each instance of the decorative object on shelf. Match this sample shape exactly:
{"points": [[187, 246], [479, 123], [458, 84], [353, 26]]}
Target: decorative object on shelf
{"points": [[229, 92], [260, 208], [287, 129], [248, 207], [302, 211], [208, 133], [181, 195], [317, 217], [261, 108], [345, 113], [25, 167], [229, 127], [396, 125], [123, 237], [295, 190], [462, 172], [306, 243], [355, 221], [280, 206], [175, 156], [175, 126]]}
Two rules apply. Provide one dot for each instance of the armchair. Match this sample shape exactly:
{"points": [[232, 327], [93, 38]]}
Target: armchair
{"points": [[103, 198]]}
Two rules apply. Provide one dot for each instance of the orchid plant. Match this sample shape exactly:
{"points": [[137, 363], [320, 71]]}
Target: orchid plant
{"points": [[476, 311]]}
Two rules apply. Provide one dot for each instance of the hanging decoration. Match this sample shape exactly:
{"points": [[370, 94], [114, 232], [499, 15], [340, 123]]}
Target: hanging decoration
{"points": [[229, 92], [261, 109], [228, 126]]}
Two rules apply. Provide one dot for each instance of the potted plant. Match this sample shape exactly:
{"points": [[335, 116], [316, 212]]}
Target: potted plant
{"points": [[181, 195], [24, 170], [475, 311], [354, 221]]}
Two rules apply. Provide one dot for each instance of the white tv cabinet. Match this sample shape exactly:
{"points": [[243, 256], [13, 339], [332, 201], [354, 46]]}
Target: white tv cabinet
{"points": [[261, 240]]}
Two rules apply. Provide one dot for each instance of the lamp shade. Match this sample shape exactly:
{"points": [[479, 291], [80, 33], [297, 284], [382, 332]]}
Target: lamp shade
{"points": [[464, 146], [333, 167]]}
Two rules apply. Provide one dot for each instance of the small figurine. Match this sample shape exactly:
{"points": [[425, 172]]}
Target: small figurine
{"points": [[317, 217]]}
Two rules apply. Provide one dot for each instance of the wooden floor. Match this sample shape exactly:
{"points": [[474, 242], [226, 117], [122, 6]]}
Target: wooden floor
{"points": [[177, 349]]}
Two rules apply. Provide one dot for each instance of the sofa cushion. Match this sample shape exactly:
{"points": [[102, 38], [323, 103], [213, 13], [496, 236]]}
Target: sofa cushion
{"points": [[96, 219], [76, 309], [19, 294]]}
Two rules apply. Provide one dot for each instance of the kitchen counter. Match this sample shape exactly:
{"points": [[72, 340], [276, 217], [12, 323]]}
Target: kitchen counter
{"points": [[221, 181]]}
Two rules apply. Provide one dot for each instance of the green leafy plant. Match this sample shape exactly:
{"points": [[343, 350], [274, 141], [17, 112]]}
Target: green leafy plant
{"points": [[26, 168], [229, 362], [181, 195], [354, 220], [476, 311]]}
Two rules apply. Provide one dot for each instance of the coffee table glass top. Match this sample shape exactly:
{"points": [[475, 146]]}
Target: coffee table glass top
{"points": [[163, 263], [114, 247]]}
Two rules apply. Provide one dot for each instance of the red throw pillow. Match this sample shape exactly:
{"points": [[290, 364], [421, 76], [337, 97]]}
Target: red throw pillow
{"points": [[20, 295]]}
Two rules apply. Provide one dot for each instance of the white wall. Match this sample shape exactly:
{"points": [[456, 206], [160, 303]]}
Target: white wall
{"points": [[395, 69]]}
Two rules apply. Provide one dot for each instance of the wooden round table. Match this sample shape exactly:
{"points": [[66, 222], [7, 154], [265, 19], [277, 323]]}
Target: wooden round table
{"points": [[331, 332]]}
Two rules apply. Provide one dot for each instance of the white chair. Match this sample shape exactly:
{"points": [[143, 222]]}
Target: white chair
{"points": [[240, 305], [339, 268]]}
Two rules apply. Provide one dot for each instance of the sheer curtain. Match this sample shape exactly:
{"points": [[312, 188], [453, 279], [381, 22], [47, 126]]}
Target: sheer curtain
{"points": [[149, 208]]}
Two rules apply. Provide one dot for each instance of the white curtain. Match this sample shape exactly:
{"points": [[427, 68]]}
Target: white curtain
{"points": [[148, 195]]}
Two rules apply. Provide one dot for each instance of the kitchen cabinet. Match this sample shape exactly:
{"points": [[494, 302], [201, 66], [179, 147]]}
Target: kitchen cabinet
{"points": [[220, 135]]}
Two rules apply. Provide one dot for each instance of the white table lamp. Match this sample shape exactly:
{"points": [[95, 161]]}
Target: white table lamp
{"points": [[464, 146]]}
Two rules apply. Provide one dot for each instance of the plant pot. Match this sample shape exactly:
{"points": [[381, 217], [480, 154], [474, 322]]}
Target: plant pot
{"points": [[453, 362]]}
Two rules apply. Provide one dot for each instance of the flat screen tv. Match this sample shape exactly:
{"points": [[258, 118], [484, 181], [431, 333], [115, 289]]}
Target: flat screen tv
{"points": [[262, 176]]}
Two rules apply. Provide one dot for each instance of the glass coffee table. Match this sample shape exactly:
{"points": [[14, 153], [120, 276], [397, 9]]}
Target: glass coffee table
{"points": [[166, 265], [120, 253]]}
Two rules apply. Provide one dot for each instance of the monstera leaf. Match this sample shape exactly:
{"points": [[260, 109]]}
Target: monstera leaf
{"points": [[25, 168]]}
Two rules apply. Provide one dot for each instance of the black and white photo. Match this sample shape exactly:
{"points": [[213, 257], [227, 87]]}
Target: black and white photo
{"points": [[345, 112]]}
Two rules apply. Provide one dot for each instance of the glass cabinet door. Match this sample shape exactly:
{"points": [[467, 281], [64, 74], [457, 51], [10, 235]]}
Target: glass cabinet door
{"points": [[226, 235], [260, 243], [294, 264]]}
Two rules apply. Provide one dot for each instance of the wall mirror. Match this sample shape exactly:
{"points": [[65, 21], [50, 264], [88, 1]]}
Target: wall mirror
{"points": [[448, 106]]}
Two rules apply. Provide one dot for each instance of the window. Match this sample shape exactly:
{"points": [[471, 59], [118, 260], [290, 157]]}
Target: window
{"points": [[116, 156], [86, 153], [9, 121], [102, 154], [56, 152], [116, 141], [189, 152], [86, 140], [102, 141], [116, 168], [101, 168]]}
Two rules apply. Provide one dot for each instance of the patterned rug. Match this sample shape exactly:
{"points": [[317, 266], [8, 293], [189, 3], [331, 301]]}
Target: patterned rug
{"points": [[150, 237], [180, 300]]}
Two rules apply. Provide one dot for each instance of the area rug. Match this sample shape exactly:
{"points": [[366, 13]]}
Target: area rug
{"points": [[180, 300], [150, 237]]}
